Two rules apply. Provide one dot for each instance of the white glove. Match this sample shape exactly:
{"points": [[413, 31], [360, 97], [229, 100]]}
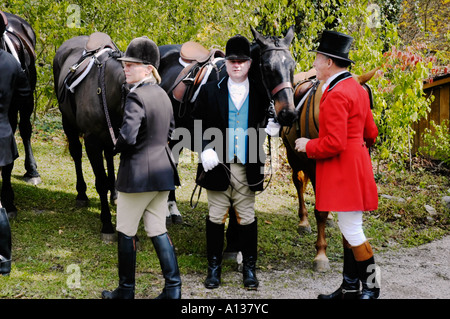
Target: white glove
{"points": [[272, 128], [209, 159]]}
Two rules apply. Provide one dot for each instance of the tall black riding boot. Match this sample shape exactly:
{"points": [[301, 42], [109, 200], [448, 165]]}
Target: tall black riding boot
{"points": [[248, 236], [127, 269], [169, 266], [5, 243], [214, 247], [349, 288], [367, 271]]}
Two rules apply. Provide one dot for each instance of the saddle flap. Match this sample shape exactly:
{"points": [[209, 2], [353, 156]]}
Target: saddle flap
{"points": [[98, 41], [301, 89], [76, 72], [180, 89]]}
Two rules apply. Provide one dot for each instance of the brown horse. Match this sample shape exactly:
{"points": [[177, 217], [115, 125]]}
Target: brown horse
{"points": [[308, 92]]}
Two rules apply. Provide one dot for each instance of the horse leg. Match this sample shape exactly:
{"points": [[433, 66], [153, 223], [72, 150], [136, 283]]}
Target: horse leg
{"points": [[321, 263], [111, 176], [76, 151], [7, 192], [300, 181], [173, 214], [31, 176], [95, 154]]}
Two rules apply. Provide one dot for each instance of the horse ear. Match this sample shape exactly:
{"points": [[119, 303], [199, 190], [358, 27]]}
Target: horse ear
{"points": [[289, 36], [257, 36]]}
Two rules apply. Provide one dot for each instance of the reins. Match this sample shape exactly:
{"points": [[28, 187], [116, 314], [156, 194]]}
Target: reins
{"points": [[101, 90]]}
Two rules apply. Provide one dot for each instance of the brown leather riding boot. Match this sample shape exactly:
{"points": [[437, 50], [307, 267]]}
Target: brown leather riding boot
{"points": [[367, 271]]}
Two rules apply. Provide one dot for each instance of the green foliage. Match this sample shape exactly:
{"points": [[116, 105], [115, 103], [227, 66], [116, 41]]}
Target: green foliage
{"points": [[397, 89], [437, 143]]}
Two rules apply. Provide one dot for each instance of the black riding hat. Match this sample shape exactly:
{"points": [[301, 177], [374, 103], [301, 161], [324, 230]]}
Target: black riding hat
{"points": [[142, 50], [335, 44], [237, 48]]}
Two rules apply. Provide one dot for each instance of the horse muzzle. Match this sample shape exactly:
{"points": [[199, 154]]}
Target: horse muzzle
{"points": [[287, 115]]}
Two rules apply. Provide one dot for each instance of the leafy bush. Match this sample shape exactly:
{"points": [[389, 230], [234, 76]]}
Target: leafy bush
{"points": [[397, 90], [437, 142]]}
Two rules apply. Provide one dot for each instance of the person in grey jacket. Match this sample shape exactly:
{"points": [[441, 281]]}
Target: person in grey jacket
{"points": [[14, 87], [147, 170]]}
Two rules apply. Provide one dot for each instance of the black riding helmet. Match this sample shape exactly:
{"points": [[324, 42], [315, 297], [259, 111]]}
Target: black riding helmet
{"points": [[142, 50], [237, 48]]}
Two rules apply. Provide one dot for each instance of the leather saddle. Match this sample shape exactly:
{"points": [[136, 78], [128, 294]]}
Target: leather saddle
{"points": [[96, 43], [20, 43], [190, 78]]}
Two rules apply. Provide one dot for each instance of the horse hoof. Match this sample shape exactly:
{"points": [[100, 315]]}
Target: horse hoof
{"points": [[33, 180], [301, 230], [321, 265], [82, 203], [108, 238], [12, 214], [177, 219]]}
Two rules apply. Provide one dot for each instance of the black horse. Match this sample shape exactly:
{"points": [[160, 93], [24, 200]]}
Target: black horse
{"points": [[19, 39], [272, 65], [91, 109]]}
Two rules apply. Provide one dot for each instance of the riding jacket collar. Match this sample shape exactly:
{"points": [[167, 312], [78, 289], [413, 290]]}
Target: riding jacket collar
{"points": [[148, 80], [335, 79]]}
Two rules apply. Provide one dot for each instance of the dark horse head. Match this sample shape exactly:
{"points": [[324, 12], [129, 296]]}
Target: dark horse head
{"points": [[277, 67]]}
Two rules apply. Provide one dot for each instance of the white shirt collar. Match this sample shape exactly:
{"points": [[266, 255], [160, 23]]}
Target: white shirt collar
{"points": [[330, 79], [149, 78], [238, 91]]}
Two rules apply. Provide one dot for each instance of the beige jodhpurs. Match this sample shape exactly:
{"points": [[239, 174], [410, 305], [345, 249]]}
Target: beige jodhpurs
{"points": [[241, 197], [131, 207]]}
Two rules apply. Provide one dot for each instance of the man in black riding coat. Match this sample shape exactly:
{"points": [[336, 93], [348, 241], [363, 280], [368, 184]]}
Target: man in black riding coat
{"points": [[14, 86], [233, 110]]}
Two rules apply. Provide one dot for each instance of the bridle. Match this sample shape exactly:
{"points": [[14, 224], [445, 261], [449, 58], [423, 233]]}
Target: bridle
{"points": [[282, 85]]}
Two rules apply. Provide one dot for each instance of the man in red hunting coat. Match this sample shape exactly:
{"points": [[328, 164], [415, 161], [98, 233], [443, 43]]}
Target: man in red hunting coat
{"points": [[344, 177]]}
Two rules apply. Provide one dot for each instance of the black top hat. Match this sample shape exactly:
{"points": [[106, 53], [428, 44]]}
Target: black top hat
{"points": [[237, 48], [142, 50], [335, 44]]}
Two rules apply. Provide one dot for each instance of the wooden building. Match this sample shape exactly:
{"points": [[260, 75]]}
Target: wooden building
{"points": [[440, 108]]}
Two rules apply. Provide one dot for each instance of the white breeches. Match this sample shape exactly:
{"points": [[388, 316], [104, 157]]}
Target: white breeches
{"points": [[350, 224]]}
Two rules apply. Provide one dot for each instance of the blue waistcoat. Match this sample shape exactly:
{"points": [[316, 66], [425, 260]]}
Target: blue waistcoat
{"points": [[237, 131]]}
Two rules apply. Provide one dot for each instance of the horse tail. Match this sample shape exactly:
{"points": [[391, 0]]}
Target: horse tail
{"points": [[364, 78]]}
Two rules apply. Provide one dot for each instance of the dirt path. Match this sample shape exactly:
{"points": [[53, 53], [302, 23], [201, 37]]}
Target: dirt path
{"points": [[409, 273]]}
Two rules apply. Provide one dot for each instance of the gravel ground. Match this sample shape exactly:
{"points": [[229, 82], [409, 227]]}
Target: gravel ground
{"points": [[409, 273]]}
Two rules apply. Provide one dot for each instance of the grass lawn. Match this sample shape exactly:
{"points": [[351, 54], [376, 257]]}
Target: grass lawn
{"points": [[57, 251]]}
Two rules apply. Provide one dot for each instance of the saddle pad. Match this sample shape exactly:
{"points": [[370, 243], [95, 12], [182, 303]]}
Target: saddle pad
{"points": [[11, 47]]}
